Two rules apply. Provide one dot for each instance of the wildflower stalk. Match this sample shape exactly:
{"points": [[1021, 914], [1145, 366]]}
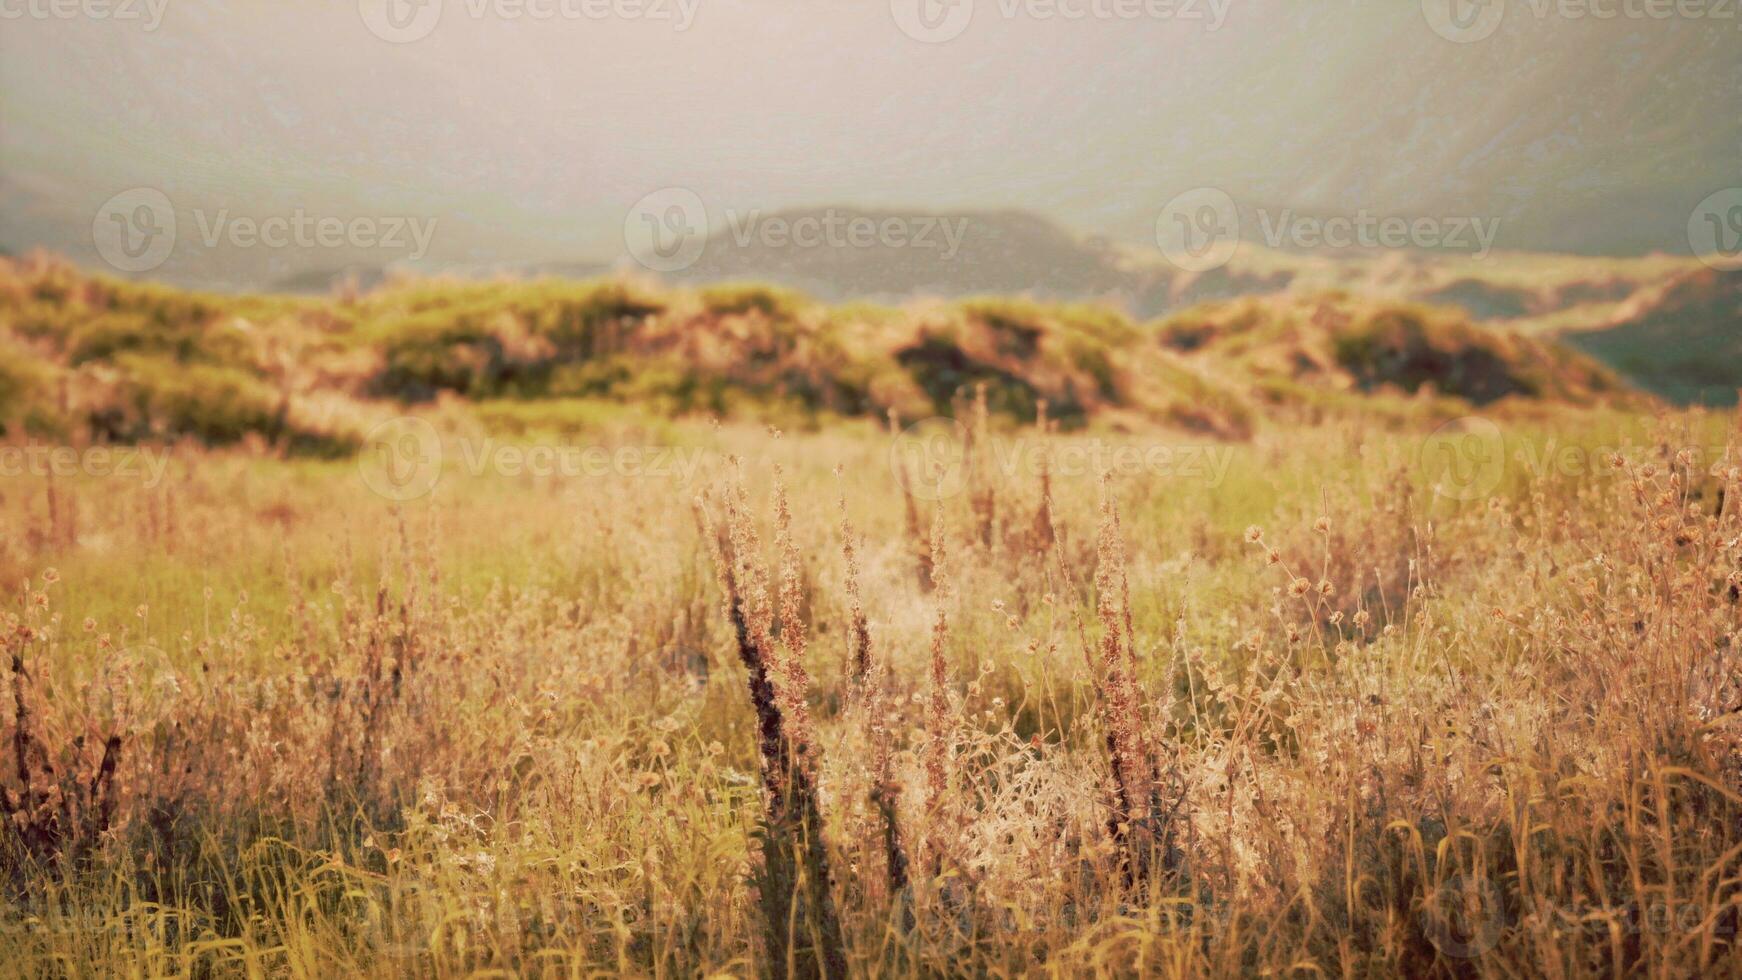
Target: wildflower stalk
{"points": [[982, 495], [868, 686], [1140, 822], [801, 927], [940, 731]]}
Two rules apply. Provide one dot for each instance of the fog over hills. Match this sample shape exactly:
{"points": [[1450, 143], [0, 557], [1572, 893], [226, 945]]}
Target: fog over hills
{"points": [[1572, 134], [1559, 161]]}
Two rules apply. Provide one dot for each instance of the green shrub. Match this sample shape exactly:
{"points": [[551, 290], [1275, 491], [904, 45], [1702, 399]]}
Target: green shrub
{"points": [[22, 380], [477, 353], [216, 404], [736, 299]]}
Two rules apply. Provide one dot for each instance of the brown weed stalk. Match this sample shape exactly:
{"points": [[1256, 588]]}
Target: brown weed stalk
{"points": [[800, 924], [915, 531], [1141, 824], [940, 737], [982, 493], [869, 694], [67, 792]]}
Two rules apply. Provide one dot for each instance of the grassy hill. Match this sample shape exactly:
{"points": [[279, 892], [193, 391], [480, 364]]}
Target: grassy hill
{"points": [[123, 361], [1318, 353], [1666, 323], [1681, 339]]}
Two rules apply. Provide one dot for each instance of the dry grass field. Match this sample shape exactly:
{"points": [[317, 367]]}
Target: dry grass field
{"points": [[979, 697], [498, 489]]}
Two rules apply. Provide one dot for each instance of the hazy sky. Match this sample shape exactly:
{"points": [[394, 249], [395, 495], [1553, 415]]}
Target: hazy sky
{"points": [[529, 138]]}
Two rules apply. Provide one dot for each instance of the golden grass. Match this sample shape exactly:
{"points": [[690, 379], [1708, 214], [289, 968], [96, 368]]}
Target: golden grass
{"points": [[1312, 717]]}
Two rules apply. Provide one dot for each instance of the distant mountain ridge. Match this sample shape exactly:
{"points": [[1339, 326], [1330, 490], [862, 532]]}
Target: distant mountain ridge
{"points": [[939, 253], [1681, 339], [1670, 324]]}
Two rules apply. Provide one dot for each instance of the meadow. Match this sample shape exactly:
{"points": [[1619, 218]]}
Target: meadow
{"points": [[1272, 653], [1334, 710]]}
